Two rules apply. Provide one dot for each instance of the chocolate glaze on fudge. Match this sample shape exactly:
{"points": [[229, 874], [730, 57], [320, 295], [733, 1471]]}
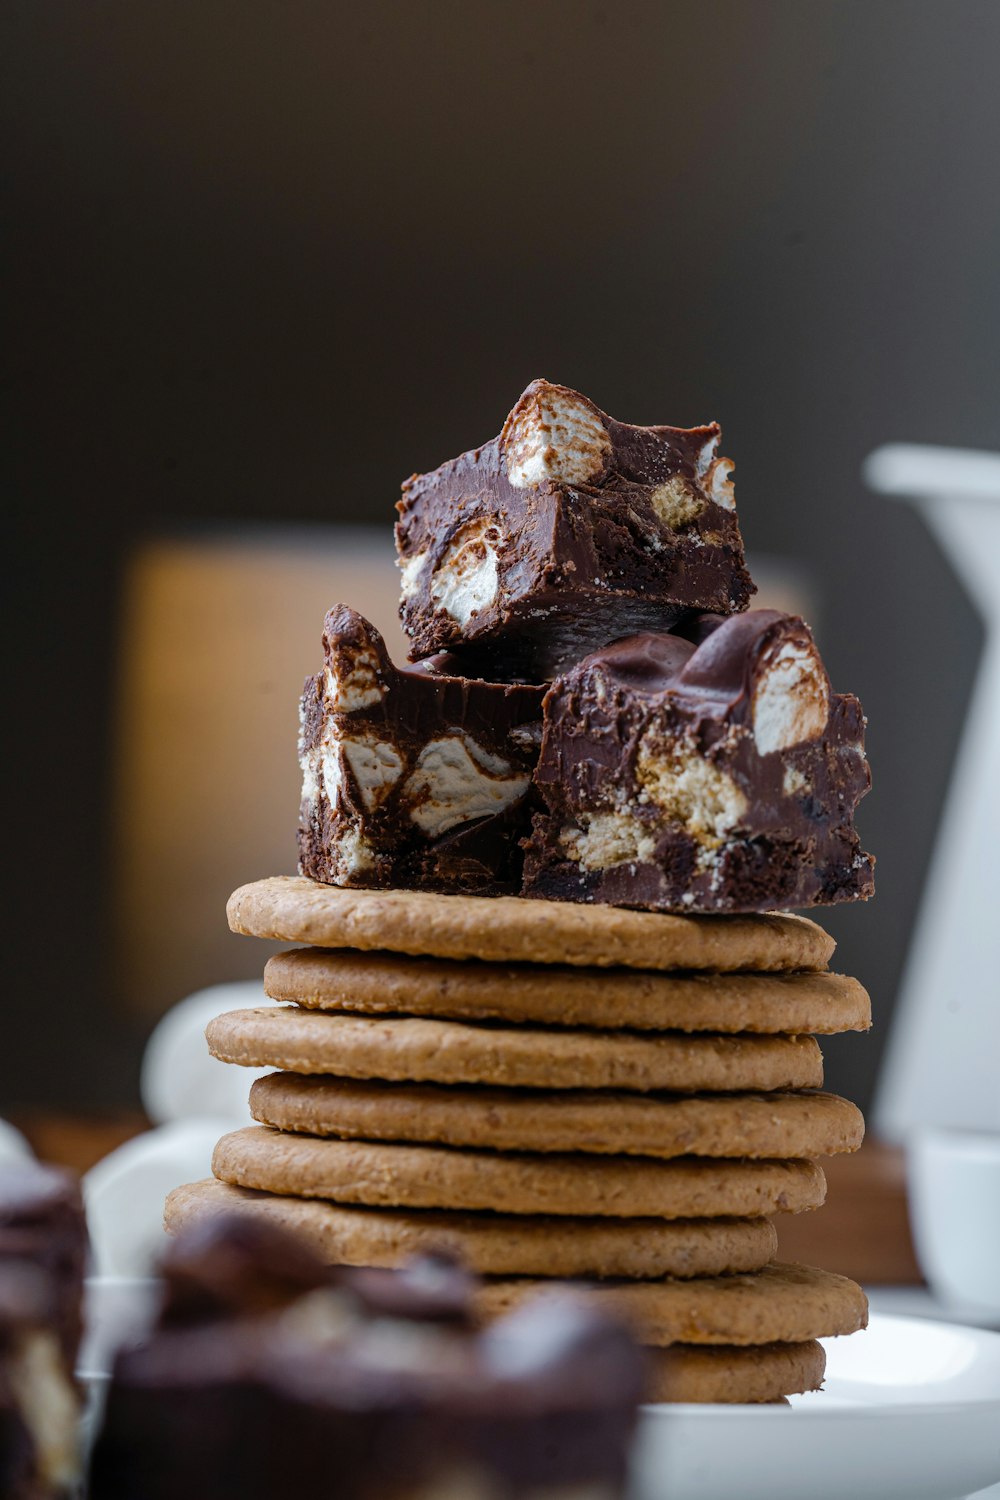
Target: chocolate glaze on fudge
{"points": [[566, 532], [713, 771], [42, 1222], [412, 777], [39, 1406], [373, 1386]]}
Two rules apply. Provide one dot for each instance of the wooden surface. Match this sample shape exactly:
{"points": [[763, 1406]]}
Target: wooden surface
{"points": [[862, 1231], [77, 1141]]}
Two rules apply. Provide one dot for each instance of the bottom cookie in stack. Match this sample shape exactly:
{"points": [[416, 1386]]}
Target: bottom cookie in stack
{"points": [[616, 1098]]}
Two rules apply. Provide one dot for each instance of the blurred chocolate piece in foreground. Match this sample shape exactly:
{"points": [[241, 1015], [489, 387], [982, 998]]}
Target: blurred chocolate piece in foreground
{"points": [[42, 1223], [412, 778], [566, 532], [233, 1268], [39, 1402], [370, 1384], [713, 771]]}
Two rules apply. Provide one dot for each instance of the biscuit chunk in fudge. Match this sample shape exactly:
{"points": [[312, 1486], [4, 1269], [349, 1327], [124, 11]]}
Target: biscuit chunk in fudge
{"points": [[710, 772], [566, 532], [412, 778]]}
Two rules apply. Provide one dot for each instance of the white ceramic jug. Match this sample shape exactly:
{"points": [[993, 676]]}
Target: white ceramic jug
{"points": [[942, 1065]]}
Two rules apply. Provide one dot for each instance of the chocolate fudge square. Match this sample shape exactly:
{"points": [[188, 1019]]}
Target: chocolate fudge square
{"points": [[412, 777], [713, 771], [564, 533]]}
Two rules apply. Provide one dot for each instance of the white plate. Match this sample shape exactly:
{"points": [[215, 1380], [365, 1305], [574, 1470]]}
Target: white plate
{"points": [[910, 1409]]}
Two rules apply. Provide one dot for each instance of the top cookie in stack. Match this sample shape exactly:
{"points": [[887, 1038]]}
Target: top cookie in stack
{"points": [[594, 716]]}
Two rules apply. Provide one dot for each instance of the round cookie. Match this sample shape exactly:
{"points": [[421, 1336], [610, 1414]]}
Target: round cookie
{"points": [[494, 1244], [601, 1121], [783, 1302], [421, 1050], [377, 1174], [726, 1373], [510, 929], [558, 995]]}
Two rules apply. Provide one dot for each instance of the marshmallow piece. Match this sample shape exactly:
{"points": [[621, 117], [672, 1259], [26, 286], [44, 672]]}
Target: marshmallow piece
{"points": [[719, 484], [554, 433], [410, 569], [467, 578], [376, 766], [124, 1194], [456, 781], [791, 701], [353, 679], [180, 1079]]}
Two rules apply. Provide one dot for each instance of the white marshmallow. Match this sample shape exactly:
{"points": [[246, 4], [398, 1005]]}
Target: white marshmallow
{"points": [[554, 434], [467, 578], [409, 573], [457, 780], [355, 855], [376, 766], [355, 684], [331, 771], [719, 484], [707, 454], [791, 701]]}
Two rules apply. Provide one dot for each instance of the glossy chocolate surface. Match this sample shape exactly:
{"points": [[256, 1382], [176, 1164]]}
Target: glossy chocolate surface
{"points": [[665, 786], [580, 551]]}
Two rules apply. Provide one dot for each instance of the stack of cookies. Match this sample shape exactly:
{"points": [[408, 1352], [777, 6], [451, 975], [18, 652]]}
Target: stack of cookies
{"points": [[607, 1072]]}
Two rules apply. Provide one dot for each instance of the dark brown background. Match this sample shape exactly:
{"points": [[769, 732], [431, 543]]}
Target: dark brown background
{"points": [[269, 258]]}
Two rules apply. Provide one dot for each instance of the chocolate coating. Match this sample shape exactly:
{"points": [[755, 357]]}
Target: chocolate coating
{"points": [[411, 777], [711, 772], [567, 531]]}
